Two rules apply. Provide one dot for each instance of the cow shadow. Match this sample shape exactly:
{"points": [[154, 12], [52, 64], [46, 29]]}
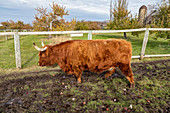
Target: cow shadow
{"points": [[117, 74]]}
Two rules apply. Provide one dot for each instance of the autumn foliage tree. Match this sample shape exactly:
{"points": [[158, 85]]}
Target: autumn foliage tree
{"points": [[41, 21], [122, 19], [55, 17], [15, 25]]}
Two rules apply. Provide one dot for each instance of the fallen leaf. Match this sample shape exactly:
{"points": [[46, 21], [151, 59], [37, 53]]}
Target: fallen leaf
{"points": [[125, 109], [130, 106], [148, 101], [107, 109], [155, 97], [44, 101]]}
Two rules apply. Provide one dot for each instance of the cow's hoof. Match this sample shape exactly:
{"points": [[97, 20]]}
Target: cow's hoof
{"points": [[132, 85], [79, 81]]}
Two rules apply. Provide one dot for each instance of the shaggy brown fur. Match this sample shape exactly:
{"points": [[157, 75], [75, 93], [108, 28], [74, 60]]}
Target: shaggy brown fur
{"points": [[75, 56]]}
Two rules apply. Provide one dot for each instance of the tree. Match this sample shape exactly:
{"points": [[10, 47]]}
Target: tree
{"points": [[87, 25], [6, 25], [15, 25], [122, 19], [43, 19], [81, 25], [162, 18], [94, 25]]}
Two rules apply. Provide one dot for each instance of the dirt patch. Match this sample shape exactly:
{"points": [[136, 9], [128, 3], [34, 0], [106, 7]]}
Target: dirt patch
{"points": [[54, 91]]}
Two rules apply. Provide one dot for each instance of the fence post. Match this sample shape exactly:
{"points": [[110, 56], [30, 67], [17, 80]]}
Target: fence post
{"points": [[6, 37], [145, 40], [90, 35], [17, 50]]}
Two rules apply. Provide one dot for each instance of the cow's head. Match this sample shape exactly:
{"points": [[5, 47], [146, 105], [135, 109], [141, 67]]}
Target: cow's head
{"points": [[44, 55]]}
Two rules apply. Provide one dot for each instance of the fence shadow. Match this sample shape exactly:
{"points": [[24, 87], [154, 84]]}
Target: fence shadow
{"points": [[4, 40], [157, 47], [110, 36], [30, 59]]}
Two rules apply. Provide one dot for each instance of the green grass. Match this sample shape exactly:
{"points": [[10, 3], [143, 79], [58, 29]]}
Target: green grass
{"points": [[29, 55]]}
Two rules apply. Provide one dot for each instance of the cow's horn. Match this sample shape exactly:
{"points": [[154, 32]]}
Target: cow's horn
{"points": [[42, 43], [39, 49]]}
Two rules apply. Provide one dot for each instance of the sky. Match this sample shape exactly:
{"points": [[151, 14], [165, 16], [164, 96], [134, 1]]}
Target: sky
{"points": [[88, 10]]}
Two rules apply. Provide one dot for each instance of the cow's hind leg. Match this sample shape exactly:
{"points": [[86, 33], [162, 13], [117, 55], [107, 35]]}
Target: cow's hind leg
{"points": [[110, 72], [127, 71], [78, 75]]}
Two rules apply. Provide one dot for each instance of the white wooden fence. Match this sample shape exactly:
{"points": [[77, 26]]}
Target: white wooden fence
{"points": [[141, 56]]}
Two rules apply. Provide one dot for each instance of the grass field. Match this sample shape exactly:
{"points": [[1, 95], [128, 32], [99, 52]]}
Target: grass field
{"points": [[29, 55]]}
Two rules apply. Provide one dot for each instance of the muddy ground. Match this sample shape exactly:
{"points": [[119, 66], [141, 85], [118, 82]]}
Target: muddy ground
{"points": [[54, 91]]}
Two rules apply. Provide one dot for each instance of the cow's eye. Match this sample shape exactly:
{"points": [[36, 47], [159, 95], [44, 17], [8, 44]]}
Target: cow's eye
{"points": [[43, 55]]}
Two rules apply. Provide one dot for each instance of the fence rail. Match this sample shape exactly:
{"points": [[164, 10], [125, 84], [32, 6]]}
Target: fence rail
{"points": [[90, 32], [85, 31]]}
